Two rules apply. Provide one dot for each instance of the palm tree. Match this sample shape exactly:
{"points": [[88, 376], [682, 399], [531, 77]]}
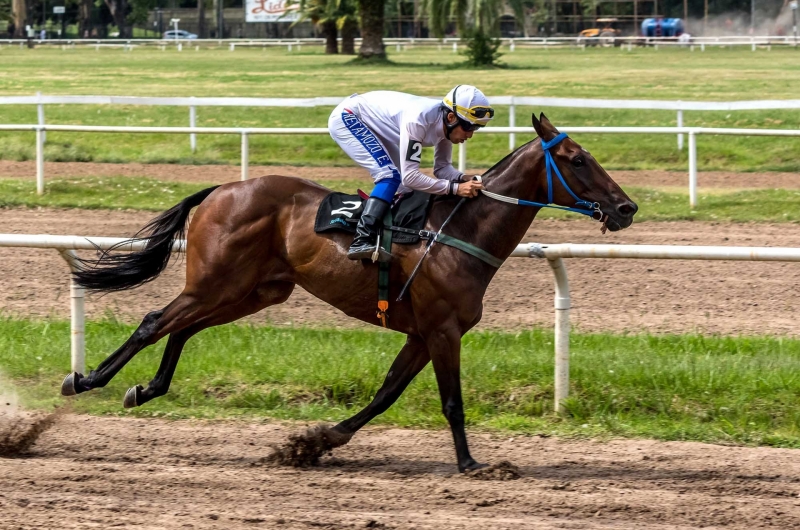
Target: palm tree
{"points": [[372, 16], [321, 13], [481, 15], [19, 8], [347, 23]]}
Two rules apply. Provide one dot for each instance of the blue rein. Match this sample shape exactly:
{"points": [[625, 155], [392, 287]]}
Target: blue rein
{"points": [[583, 207]]}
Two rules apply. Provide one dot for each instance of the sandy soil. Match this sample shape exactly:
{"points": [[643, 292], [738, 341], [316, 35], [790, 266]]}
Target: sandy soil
{"points": [[219, 174], [608, 295], [118, 472]]}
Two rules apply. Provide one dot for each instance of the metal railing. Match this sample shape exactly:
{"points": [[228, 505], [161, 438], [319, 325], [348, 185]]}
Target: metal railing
{"points": [[245, 133], [554, 254]]}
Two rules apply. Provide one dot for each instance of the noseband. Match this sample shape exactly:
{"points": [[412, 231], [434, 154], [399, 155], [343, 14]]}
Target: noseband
{"points": [[592, 209]]}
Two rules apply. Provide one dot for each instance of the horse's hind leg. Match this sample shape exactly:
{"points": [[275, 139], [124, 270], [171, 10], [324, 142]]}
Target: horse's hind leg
{"points": [[187, 308], [409, 362], [267, 294], [76, 383]]}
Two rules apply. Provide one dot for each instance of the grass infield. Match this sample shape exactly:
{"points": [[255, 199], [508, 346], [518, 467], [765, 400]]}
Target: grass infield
{"points": [[147, 194], [610, 73], [675, 387]]}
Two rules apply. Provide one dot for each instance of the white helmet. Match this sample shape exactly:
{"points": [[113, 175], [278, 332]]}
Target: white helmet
{"points": [[470, 105]]}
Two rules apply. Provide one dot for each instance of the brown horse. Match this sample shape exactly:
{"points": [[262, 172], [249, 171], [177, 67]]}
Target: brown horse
{"points": [[251, 242]]}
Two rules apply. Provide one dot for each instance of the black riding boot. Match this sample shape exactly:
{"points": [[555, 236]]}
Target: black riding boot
{"points": [[364, 244]]}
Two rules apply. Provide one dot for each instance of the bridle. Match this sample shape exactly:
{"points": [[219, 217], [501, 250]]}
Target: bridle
{"points": [[591, 209]]}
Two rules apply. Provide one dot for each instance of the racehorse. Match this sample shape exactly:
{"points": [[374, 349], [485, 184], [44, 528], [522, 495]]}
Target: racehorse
{"points": [[249, 243]]}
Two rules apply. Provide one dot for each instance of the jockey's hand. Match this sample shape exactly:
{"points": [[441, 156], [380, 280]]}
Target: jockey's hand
{"points": [[469, 189]]}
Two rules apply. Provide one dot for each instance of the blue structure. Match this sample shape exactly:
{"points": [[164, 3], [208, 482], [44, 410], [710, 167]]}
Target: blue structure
{"points": [[662, 27]]}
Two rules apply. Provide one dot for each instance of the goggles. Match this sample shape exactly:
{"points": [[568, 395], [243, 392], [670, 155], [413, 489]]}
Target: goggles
{"points": [[467, 126], [478, 115]]}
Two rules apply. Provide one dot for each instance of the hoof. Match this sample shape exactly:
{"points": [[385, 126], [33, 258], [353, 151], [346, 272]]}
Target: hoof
{"points": [[471, 466], [68, 387], [132, 397]]}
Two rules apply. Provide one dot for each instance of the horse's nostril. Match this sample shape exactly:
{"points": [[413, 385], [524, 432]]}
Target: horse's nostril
{"points": [[628, 209]]}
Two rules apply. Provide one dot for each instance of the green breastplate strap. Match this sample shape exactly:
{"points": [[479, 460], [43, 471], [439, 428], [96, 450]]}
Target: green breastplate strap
{"points": [[472, 250]]}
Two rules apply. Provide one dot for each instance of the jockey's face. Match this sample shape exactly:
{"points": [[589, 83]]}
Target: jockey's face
{"points": [[458, 135]]}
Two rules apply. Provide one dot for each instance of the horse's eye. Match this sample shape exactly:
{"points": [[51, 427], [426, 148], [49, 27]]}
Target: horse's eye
{"points": [[578, 161]]}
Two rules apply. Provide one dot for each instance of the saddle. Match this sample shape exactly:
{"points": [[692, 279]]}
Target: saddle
{"points": [[341, 212], [403, 225]]}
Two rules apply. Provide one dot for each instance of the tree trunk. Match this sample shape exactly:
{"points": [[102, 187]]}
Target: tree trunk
{"points": [[372, 29], [349, 29], [20, 10], [85, 19], [201, 19], [119, 11], [329, 29]]}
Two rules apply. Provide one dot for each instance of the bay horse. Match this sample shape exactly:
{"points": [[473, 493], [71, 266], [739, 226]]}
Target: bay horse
{"points": [[249, 243]]}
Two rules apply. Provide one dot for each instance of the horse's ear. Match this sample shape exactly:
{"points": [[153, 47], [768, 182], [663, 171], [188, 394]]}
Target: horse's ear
{"points": [[537, 125], [544, 128]]}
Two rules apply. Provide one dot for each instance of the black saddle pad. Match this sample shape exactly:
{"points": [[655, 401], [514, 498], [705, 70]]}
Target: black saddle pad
{"points": [[340, 211]]}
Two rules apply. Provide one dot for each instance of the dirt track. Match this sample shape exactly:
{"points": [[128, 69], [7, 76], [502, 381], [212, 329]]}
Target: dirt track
{"points": [[102, 472], [608, 295]]}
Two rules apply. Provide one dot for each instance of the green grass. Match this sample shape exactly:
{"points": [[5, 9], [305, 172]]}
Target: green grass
{"points": [[147, 194], [683, 387], [717, 74], [114, 193]]}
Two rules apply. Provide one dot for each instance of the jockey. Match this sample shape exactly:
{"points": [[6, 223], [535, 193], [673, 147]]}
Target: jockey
{"points": [[385, 132]]}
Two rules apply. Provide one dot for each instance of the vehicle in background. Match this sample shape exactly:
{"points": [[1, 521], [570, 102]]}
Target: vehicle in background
{"points": [[178, 34], [604, 35], [662, 27]]}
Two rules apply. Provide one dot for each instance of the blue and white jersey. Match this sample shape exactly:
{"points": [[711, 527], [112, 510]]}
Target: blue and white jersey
{"points": [[404, 124]]}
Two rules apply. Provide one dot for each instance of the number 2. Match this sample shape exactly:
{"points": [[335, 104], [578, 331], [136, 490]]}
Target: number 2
{"points": [[347, 210], [414, 151]]}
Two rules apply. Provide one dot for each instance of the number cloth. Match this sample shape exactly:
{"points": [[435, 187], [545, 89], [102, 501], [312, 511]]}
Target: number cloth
{"points": [[383, 131]]}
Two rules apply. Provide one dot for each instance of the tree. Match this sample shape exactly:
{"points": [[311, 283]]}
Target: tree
{"points": [[321, 13], [347, 24], [19, 8], [119, 11], [201, 19], [85, 18], [482, 15], [372, 16]]}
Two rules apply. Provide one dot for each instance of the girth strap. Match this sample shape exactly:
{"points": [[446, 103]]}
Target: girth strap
{"points": [[383, 269]]}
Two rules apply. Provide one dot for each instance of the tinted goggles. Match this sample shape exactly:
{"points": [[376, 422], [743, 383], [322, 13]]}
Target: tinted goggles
{"points": [[467, 126]]}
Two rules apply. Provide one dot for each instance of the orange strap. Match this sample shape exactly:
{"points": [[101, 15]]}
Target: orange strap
{"points": [[383, 305]]}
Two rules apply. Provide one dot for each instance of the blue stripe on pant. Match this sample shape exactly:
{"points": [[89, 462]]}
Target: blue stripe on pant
{"points": [[385, 188]]}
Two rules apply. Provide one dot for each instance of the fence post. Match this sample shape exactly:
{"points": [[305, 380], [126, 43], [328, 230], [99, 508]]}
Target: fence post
{"points": [[77, 317], [462, 157], [40, 113], [512, 121], [692, 169], [680, 124], [193, 124], [245, 156], [561, 304], [39, 161]]}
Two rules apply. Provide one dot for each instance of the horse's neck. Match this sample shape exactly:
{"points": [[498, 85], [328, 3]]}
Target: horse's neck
{"points": [[498, 227]]}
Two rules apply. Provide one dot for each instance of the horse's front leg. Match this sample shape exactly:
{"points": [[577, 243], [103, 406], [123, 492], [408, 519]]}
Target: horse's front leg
{"points": [[409, 362], [444, 345]]}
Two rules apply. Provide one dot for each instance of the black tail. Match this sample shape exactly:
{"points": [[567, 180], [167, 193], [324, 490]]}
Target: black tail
{"points": [[118, 272]]}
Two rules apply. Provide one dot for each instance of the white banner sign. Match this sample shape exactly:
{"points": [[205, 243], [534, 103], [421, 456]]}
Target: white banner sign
{"points": [[270, 11]]}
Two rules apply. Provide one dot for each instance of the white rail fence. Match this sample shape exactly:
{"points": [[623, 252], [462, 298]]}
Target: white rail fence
{"points": [[554, 254], [692, 132], [679, 107], [403, 44]]}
